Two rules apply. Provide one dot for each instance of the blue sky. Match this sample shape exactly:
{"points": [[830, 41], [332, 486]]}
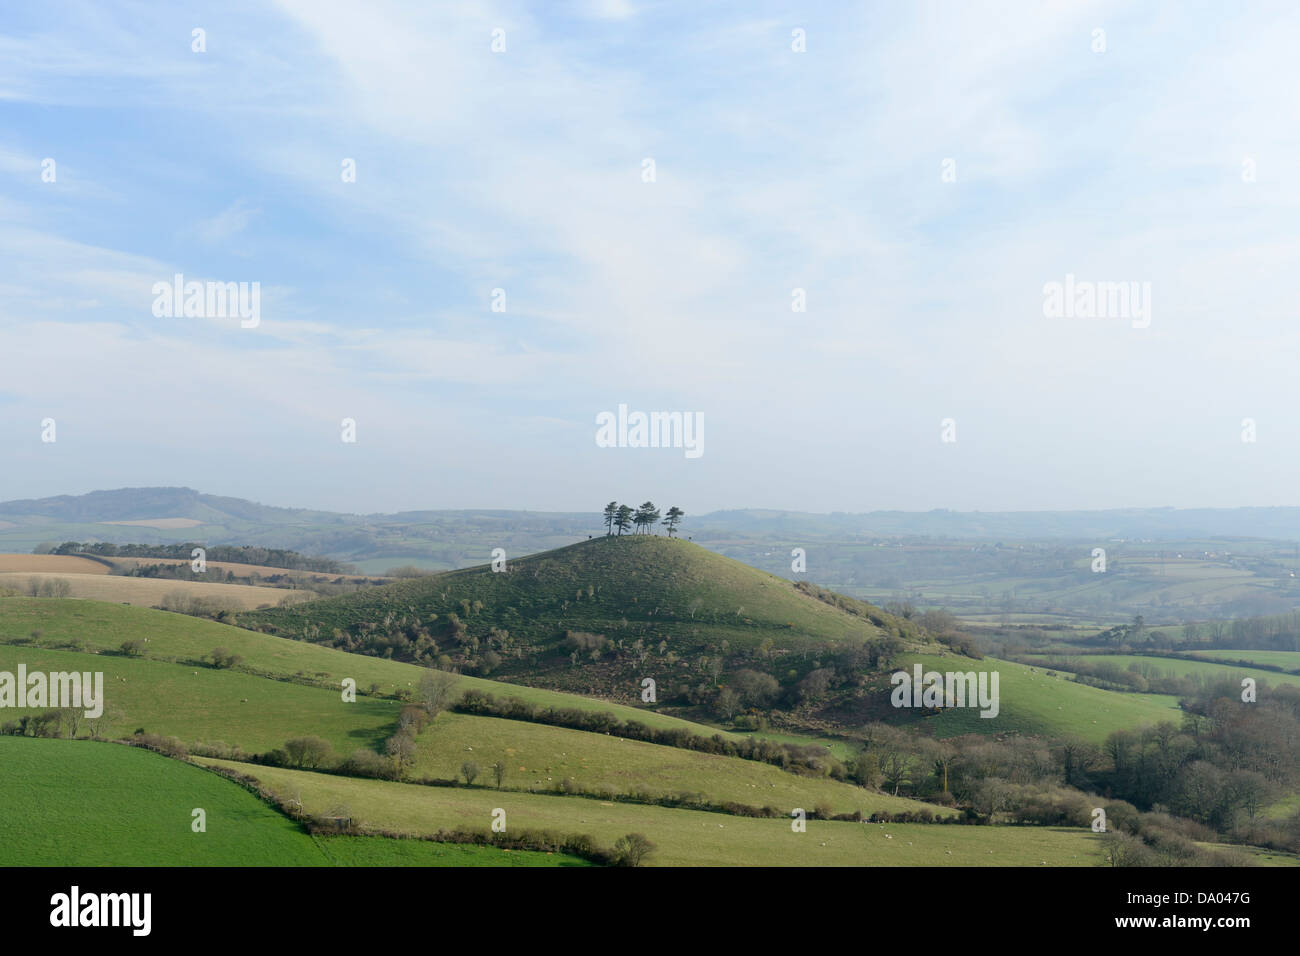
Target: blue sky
{"points": [[775, 170]]}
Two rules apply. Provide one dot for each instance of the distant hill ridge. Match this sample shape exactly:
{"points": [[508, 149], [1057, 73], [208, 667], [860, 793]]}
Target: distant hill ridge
{"points": [[135, 504]]}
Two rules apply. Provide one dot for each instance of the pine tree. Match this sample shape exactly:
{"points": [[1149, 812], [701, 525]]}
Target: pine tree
{"points": [[623, 519], [673, 518], [646, 516]]}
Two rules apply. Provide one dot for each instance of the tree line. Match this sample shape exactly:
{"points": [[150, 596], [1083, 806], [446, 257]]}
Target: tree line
{"points": [[234, 554], [619, 518]]}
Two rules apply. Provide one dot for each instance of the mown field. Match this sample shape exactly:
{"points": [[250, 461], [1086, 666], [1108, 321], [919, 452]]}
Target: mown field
{"points": [[1031, 702], [80, 803], [683, 837], [150, 592], [50, 564]]}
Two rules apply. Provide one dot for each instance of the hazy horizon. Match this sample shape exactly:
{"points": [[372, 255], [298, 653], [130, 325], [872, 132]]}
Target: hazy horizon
{"points": [[293, 505]]}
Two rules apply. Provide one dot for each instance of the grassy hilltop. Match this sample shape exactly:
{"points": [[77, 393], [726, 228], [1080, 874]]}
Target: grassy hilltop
{"points": [[610, 604]]}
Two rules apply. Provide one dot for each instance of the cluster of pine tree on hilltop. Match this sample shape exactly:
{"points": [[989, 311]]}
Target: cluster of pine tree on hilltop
{"points": [[619, 518]]}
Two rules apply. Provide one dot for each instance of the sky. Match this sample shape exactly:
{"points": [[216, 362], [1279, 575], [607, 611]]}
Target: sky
{"points": [[503, 268]]}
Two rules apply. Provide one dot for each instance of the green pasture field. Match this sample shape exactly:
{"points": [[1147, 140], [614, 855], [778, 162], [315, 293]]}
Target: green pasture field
{"points": [[684, 837], [85, 803], [1031, 702]]}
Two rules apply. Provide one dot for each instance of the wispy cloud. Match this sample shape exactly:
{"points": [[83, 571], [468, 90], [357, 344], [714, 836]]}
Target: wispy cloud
{"points": [[522, 171], [229, 222]]}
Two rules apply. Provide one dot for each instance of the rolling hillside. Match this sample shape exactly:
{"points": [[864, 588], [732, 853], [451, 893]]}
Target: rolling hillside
{"points": [[174, 695], [96, 626], [562, 780], [173, 692], [206, 706]]}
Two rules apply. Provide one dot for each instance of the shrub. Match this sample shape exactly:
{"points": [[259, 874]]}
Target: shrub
{"points": [[308, 752], [367, 763], [223, 659], [632, 849]]}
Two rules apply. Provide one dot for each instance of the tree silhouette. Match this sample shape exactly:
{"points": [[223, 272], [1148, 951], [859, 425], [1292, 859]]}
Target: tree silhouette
{"points": [[611, 512], [645, 517], [673, 518], [623, 519]]}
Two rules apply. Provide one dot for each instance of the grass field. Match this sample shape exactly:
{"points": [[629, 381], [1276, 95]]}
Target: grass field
{"points": [[105, 626], [538, 756], [837, 748], [1177, 667], [1288, 660], [204, 704], [1257, 855], [150, 592], [1283, 808], [79, 803], [684, 837], [200, 704], [385, 851], [1033, 703]]}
